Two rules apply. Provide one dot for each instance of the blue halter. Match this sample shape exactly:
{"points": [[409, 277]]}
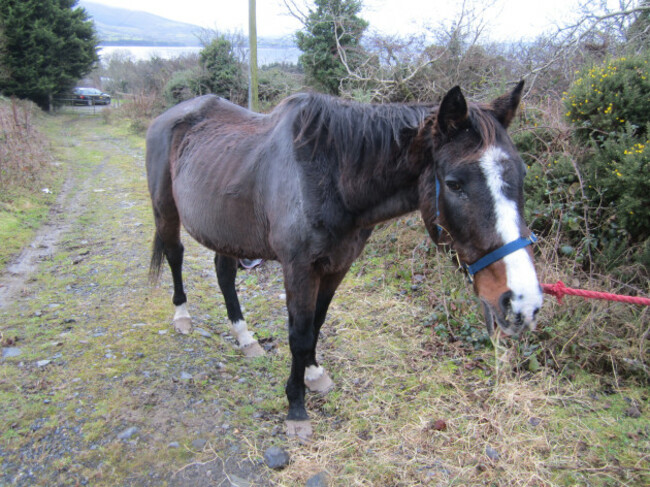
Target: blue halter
{"points": [[499, 254], [495, 255]]}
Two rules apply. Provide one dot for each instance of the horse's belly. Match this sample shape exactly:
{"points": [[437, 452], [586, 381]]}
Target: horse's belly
{"points": [[226, 224]]}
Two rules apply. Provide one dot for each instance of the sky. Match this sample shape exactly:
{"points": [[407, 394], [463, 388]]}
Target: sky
{"points": [[506, 20]]}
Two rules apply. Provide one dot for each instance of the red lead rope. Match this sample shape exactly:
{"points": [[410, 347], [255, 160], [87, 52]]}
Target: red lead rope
{"points": [[559, 290]]}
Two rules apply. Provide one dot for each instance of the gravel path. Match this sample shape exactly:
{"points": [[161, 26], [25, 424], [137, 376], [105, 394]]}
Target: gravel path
{"points": [[96, 387]]}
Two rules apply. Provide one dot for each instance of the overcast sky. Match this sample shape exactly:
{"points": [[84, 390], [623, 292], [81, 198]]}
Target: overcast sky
{"points": [[506, 20]]}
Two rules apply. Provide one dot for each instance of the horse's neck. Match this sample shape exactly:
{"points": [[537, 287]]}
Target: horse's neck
{"points": [[397, 192], [400, 203]]}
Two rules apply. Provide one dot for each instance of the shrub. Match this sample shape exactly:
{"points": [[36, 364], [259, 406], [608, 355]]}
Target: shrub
{"points": [[608, 104], [555, 206], [23, 150], [276, 82], [619, 175], [224, 74], [182, 86], [604, 98]]}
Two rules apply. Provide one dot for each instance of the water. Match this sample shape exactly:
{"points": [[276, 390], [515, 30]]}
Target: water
{"points": [[265, 55]]}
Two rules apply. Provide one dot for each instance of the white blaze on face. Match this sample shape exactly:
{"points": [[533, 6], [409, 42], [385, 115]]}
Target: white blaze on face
{"points": [[520, 272]]}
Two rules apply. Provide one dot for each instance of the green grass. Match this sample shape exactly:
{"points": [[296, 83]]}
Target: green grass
{"points": [[402, 358]]}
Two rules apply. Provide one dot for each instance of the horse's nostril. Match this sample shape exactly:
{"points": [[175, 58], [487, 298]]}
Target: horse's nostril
{"points": [[504, 301]]}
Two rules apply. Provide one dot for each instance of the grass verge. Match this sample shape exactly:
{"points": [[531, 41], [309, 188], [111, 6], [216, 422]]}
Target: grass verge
{"points": [[422, 397]]}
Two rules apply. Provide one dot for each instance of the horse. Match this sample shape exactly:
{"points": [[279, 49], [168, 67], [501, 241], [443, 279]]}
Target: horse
{"points": [[306, 183]]}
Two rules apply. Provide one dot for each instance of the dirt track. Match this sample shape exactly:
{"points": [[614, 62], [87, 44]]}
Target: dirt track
{"points": [[98, 388]]}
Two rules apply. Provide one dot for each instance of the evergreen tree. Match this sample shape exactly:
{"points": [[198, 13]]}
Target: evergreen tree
{"points": [[223, 72], [332, 23], [47, 45]]}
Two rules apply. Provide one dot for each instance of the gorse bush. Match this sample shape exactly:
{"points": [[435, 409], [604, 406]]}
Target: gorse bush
{"points": [[609, 105], [619, 176], [604, 98]]}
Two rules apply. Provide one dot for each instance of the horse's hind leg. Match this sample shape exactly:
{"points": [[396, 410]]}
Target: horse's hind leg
{"points": [[168, 243], [182, 320], [226, 272]]}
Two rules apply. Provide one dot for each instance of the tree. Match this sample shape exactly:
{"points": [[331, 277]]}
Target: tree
{"points": [[330, 41], [47, 46], [639, 30], [223, 72]]}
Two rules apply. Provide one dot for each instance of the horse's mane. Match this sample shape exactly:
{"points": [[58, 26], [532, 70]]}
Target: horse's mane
{"points": [[484, 122], [353, 132]]}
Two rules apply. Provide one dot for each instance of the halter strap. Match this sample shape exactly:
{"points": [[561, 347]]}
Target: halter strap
{"points": [[438, 205], [493, 256], [499, 254]]}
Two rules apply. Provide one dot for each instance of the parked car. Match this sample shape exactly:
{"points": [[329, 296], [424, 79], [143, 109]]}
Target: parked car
{"points": [[90, 96]]}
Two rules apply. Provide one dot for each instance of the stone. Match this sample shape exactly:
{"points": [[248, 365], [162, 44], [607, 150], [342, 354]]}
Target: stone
{"points": [[238, 481], [203, 333], [319, 480], [127, 433], [491, 453], [173, 444], [42, 363], [534, 421], [199, 443], [9, 352], [276, 458]]}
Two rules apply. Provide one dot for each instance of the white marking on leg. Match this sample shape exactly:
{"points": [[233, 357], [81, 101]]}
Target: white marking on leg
{"points": [[520, 271], [241, 334], [181, 312], [182, 320], [314, 372]]}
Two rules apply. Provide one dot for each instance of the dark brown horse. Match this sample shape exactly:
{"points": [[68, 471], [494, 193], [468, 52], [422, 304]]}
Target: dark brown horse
{"points": [[305, 185]]}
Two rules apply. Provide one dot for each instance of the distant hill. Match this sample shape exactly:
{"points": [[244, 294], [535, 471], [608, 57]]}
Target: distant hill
{"points": [[123, 27]]}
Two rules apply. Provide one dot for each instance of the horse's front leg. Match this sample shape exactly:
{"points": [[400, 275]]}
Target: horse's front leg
{"points": [[316, 377], [302, 291]]}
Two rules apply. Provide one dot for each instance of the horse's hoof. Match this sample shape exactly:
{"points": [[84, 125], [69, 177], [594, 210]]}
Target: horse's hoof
{"points": [[253, 350], [322, 385], [299, 429], [183, 325]]}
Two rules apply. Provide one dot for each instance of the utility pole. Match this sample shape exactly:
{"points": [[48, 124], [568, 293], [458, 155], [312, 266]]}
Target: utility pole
{"points": [[253, 97]]}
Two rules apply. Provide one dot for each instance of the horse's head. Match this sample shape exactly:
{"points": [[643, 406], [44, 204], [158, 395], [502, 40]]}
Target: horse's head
{"points": [[471, 199]]}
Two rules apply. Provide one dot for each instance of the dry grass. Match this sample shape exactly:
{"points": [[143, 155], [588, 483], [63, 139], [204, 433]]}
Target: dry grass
{"points": [[415, 408], [139, 109], [23, 150], [420, 398]]}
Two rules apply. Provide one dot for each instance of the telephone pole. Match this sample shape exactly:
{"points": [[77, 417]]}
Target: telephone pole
{"points": [[253, 101]]}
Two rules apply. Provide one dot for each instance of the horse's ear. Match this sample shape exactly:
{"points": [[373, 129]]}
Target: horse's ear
{"points": [[452, 113], [505, 106]]}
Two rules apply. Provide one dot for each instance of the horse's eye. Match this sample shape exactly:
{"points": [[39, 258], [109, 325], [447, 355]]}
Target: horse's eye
{"points": [[453, 185]]}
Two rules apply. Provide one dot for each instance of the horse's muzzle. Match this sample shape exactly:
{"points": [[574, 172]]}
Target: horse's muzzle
{"points": [[513, 314]]}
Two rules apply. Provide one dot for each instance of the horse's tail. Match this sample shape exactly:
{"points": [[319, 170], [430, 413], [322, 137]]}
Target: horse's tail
{"points": [[157, 255]]}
